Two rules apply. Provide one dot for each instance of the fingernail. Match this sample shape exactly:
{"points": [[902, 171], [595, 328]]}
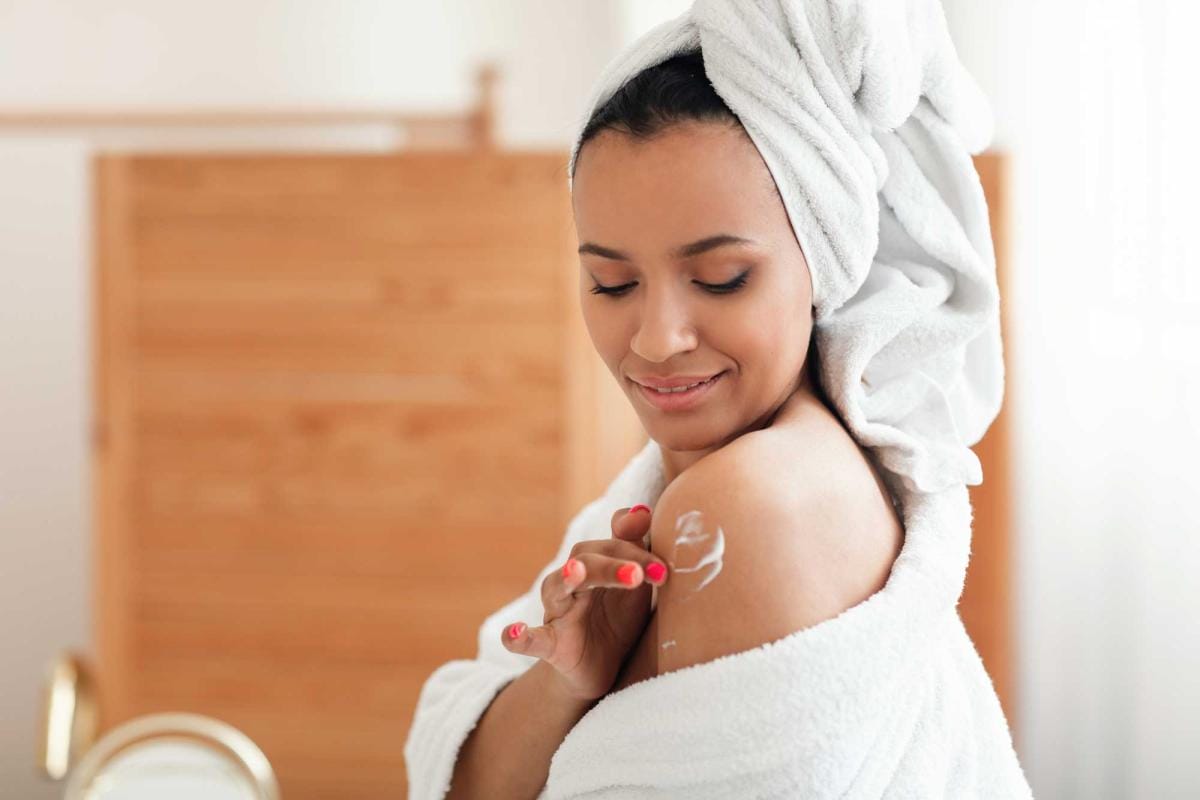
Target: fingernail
{"points": [[567, 568], [655, 571], [626, 573], [640, 507], [515, 630]]}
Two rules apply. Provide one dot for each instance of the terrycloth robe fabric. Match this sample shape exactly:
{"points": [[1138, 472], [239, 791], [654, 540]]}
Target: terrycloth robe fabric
{"points": [[887, 700], [866, 121]]}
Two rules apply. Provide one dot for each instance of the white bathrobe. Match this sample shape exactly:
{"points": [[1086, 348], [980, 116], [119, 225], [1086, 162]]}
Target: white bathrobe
{"points": [[887, 700]]}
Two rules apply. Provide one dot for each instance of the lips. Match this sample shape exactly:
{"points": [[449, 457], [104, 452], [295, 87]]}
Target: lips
{"points": [[678, 388], [673, 383], [679, 400]]}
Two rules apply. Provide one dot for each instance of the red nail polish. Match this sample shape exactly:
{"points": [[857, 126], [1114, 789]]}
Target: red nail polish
{"points": [[626, 573], [640, 507], [516, 630], [566, 570], [655, 572]]}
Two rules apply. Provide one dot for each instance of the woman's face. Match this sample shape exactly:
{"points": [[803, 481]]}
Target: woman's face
{"points": [[638, 205]]}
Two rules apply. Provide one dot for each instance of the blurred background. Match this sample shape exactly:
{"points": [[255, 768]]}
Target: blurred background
{"points": [[294, 390]]}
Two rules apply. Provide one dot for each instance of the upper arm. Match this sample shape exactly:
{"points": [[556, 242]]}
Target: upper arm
{"points": [[752, 562]]}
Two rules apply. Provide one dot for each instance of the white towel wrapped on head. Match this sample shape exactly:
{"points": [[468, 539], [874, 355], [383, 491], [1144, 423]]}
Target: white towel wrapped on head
{"points": [[866, 120]]}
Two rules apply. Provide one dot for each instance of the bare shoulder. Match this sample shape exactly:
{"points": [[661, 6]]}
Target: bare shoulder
{"points": [[778, 531]]}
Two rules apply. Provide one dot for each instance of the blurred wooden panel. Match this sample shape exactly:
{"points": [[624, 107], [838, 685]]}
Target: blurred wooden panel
{"points": [[987, 606], [341, 415]]}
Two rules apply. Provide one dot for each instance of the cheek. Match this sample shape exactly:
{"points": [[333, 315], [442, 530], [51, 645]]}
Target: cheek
{"points": [[750, 330], [765, 336], [604, 327]]}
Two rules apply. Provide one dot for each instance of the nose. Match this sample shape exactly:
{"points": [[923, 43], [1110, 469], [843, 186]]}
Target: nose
{"points": [[665, 327]]}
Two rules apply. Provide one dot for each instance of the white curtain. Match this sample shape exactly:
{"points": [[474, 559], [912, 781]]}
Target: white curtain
{"points": [[1096, 101]]}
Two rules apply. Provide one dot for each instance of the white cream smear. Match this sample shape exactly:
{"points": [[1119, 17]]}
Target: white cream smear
{"points": [[690, 532]]}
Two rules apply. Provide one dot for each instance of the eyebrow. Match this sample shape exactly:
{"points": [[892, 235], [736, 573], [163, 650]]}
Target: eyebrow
{"points": [[686, 251]]}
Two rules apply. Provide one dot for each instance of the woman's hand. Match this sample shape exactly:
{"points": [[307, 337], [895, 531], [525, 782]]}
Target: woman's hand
{"points": [[597, 606]]}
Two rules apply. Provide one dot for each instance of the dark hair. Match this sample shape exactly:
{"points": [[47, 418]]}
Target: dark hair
{"points": [[676, 90], [673, 91]]}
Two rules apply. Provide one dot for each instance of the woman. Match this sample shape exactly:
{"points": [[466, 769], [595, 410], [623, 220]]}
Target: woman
{"points": [[663, 165], [756, 224]]}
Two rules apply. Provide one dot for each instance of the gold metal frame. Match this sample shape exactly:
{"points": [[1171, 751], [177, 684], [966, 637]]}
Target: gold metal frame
{"points": [[219, 737], [69, 715]]}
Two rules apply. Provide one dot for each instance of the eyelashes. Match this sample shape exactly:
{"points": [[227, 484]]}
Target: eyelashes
{"points": [[718, 288]]}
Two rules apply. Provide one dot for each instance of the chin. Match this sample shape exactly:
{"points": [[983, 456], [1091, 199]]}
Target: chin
{"points": [[682, 436]]}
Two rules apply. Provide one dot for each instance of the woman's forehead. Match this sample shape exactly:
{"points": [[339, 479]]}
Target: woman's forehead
{"points": [[679, 184]]}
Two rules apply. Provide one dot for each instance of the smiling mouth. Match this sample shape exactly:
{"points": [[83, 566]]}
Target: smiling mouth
{"points": [[679, 389], [678, 398]]}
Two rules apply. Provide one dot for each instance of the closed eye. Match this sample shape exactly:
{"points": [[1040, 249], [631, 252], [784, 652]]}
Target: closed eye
{"points": [[714, 288]]}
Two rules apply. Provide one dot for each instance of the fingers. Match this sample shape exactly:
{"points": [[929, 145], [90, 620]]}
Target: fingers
{"points": [[631, 524], [558, 588], [598, 563], [620, 565], [597, 571]]}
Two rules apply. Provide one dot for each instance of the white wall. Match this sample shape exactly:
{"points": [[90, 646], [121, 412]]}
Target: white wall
{"points": [[44, 373], [147, 54], [1094, 99]]}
